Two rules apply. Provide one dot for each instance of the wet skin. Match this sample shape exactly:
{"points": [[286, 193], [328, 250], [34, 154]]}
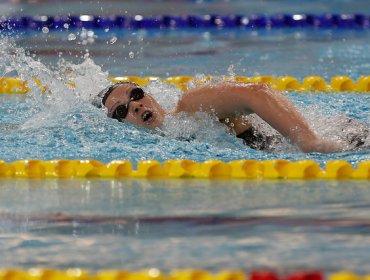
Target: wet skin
{"points": [[228, 100], [145, 112]]}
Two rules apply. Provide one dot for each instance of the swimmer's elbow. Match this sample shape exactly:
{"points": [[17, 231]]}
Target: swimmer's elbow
{"points": [[255, 95], [251, 87]]}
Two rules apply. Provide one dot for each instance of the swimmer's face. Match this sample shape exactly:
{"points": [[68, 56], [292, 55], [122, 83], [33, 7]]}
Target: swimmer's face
{"points": [[129, 103]]}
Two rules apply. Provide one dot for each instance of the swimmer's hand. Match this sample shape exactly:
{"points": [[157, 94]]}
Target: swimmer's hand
{"points": [[321, 145]]}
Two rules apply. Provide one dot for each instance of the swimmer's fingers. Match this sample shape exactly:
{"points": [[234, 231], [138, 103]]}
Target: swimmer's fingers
{"points": [[327, 146]]}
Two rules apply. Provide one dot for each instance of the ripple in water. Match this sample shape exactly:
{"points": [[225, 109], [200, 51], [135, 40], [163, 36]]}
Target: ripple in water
{"points": [[63, 124]]}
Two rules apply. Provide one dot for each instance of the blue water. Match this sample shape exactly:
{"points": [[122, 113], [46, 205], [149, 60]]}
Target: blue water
{"points": [[172, 224], [83, 131], [59, 127], [169, 224], [294, 52]]}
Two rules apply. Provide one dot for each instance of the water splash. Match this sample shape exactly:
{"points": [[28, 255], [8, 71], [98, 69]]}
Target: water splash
{"points": [[65, 86], [62, 124], [87, 77], [350, 132], [200, 127], [166, 95]]}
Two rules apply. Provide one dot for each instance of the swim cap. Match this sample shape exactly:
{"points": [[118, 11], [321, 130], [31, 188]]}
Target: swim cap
{"points": [[99, 100], [101, 97]]}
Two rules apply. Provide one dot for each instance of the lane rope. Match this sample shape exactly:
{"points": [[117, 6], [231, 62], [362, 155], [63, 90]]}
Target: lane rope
{"points": [[188, 274], [283, 83], [258, 21], [184, 168]]}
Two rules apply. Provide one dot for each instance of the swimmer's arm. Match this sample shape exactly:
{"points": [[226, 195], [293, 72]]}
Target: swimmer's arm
{"points": [[238, 124], [230, 99]]}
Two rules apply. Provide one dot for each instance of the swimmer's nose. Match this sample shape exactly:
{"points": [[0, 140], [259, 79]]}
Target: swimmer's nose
{"points": [[137, 107]]}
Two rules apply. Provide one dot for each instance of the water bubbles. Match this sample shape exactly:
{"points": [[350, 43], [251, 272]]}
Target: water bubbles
{"points": [[66, 26], [141, 35], [85, 37], [299, 35], [90, 36], [113, 40], [83, 34], [131, 55], [139, 17], [231, 70], [206, 36], [45, 30], [71, 37]]}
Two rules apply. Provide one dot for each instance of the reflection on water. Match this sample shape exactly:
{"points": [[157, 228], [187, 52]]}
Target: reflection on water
{"points": [[175, 197], [170, 224], [277, 52]]}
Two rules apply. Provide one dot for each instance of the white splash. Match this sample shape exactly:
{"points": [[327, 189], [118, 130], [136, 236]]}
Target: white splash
{"points": [[166, 95], [64, 87], [349, 132], [87, 77], [201, 127]]}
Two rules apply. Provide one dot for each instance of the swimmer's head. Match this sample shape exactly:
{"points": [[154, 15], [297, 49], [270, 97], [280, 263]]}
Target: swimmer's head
{"points": [[128, 102]]}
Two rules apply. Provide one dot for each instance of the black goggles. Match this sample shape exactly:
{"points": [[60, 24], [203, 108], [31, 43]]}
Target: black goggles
{"points": [[121, 111]]}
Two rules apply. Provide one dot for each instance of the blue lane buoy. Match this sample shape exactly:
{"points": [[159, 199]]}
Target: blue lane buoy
{"points": [[139, 21], [362, 21], [344, 21], [277, 21], [170, 21], [254, 21], [323, 21], [338, 21], [297, 20], [200, 21]]}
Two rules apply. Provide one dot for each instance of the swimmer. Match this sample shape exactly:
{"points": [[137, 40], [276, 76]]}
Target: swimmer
{"points": [[230, 101]]}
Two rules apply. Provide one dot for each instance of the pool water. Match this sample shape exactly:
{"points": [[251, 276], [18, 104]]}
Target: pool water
{"points": [[172, 224], [276, 52], [82, 131], [65, 125], [210, 224]]}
